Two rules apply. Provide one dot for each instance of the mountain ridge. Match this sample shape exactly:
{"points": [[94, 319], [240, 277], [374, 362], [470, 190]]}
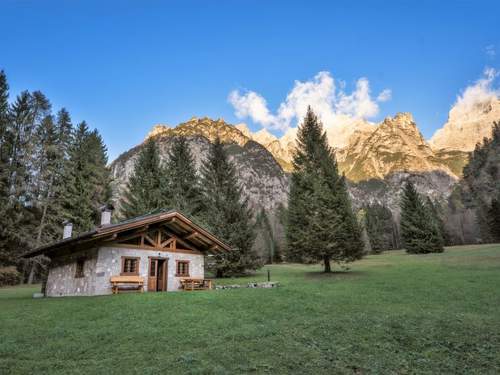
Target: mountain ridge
{"points": [[372, 150]]}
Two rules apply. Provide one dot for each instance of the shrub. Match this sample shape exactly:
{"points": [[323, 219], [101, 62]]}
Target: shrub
{"points": [[9, 276]]}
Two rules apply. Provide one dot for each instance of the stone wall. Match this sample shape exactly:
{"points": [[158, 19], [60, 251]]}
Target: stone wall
{"points": [[61, 280], [103, 263]]}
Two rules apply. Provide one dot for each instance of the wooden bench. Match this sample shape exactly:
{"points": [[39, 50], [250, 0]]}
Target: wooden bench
{"points": [[127, 283], [190, 284]]}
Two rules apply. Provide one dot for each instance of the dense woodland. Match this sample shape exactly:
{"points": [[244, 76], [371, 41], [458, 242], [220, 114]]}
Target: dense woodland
{"points": [[52, 170]]}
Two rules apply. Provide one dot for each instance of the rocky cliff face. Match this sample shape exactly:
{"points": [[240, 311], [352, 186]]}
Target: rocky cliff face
{"points": [[261, 177], [396, 145], [378, 157], [387, 191], [366, 150], [467, 126], [279, 148]]}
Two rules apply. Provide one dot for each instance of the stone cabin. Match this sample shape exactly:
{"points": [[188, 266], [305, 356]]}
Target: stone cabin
{"points": [[160, 249]]}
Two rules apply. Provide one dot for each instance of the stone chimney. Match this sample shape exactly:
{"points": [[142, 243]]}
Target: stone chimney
{"points": [[106, 212], [68, 229]]}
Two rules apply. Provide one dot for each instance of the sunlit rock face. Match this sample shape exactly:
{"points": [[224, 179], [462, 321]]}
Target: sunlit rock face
{"points": [[377, 160], [366, 150], [396, 145], [467, 126]]}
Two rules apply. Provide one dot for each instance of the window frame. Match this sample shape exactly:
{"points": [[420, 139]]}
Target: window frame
{"points": [[80, 268], [186, 262], [138, 262]]}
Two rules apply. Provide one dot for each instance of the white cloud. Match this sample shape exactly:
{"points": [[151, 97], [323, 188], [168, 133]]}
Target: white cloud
{"points": [[252, 105], [384, 96], [480, 92], [327, 97]]}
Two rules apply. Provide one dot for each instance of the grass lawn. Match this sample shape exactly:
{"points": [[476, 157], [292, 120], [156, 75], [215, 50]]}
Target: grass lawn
{"points": [[391, 313]]}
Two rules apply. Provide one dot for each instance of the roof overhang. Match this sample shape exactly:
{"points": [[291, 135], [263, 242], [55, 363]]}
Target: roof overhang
{"points": [[176, 222]]}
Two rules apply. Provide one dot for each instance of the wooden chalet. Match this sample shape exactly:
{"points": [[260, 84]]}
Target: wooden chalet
{"points": [[164, 251]]}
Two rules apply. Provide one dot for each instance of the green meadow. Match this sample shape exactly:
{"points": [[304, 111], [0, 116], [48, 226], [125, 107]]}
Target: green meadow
{"points": [[389, 314]]}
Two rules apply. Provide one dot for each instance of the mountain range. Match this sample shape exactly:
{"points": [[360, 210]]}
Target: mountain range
{"points": [[376, 158]]}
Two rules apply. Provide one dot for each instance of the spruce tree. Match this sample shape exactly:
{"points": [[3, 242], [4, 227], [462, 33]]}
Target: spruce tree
{"points": [[6, 229], [18, 174], [86, 179], [437, 217], [379, 226], [53, 141], [494, 218], [182, 188], [145, 192], [267, 241], [4, 117], [419, 231], [480, 182], [321, 225], [227, 214]]}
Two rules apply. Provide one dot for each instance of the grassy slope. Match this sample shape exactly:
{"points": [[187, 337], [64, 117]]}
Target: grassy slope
{"points": [[392, 313]]}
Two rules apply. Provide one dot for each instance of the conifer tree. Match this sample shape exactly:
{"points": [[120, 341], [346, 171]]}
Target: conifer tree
{"points": [[379, 226], [64, 129], [182, 188], [419, 231], [437, 217], [18, 174], [5, 222], [227, 214], [266, 237], [145, 192], [480, 181], [321, 225], [86, 179], [494, 218], [53, 141], [4, 117]]}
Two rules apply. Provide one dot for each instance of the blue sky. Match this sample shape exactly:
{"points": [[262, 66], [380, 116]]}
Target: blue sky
{"points": [[126, 65]]}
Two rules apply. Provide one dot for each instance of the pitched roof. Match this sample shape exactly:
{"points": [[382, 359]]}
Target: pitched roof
{"points": [[176, 221]]}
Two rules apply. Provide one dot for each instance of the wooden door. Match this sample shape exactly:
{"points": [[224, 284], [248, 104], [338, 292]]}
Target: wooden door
{"points": [[153, 275], [162, 275]]}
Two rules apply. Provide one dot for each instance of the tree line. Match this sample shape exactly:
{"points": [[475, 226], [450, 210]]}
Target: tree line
{"points": [[321, 224], [479, 189], [50, 170]]}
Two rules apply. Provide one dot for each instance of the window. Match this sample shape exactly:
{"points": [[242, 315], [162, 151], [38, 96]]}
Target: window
{"points": [[130, 266], [80, 265], [182, 268], [152, 268]]}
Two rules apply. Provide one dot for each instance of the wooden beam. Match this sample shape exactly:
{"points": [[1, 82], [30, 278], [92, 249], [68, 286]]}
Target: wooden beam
{"points": [[214, 248], [190, 235], [150, 240], [180, 240], [167, 242], [111, 238]]}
